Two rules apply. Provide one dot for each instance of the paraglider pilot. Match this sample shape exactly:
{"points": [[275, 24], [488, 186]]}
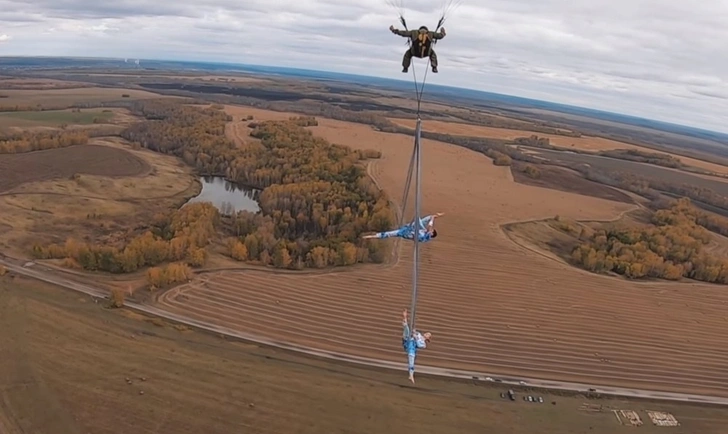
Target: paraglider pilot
{"points": [[420, 45]]}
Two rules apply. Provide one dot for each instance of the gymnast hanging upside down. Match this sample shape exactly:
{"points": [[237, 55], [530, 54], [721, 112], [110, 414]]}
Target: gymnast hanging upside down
{"points": [[426, 230], [411, 342]]}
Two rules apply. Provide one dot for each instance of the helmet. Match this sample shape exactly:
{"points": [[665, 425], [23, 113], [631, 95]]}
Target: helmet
{"points": [[423, 28]]}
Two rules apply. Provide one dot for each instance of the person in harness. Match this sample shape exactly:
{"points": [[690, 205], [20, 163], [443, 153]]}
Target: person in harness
{"points": [[412, 341], [425, 232], [420, 45]]}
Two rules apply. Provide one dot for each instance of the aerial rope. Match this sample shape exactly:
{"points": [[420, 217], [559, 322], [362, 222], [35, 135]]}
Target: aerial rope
{"points": [[416, 159]]}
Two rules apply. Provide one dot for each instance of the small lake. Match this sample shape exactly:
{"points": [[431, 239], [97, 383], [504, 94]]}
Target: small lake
{"points": [[226, 196]]}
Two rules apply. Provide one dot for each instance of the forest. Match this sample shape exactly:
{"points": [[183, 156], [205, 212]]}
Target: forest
{"points": [[28, 141], [180, 236], [316, 199], [673, 246], [638, 156]]}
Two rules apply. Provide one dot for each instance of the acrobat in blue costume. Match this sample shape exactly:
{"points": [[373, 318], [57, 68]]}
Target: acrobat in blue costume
{"points": [[411, 342], [426, 230]]}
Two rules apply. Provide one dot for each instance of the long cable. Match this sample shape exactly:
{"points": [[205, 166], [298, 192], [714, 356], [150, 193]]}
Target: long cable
{"points": [[416, 224], [417, 160], [419, 91]]}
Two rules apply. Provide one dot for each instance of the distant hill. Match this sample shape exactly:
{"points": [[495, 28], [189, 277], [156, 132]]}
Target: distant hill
{"points": [[476, 97]]}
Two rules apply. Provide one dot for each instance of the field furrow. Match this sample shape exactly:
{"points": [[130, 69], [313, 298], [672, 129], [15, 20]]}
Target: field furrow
{"points": [[492, 305]]}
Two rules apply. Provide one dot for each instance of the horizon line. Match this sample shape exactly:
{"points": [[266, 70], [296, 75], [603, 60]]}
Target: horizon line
{"points": [[524, 100]]}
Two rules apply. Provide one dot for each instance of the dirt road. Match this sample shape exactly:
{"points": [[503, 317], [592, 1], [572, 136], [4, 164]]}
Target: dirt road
{"points": [[49, 277]]}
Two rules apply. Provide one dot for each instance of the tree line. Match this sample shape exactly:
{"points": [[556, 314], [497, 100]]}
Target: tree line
{"points": [[673, 246], [498, 150], [652, 188], [179, 236], [316, 201], [29, 141]]}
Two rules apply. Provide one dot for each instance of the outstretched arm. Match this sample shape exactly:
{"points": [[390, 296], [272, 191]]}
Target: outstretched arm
{"points": [[430, 219], [399, 32], [439, 35]]}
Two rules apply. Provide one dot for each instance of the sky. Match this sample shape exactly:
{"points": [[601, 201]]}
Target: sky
{"points": [[660, 59]]}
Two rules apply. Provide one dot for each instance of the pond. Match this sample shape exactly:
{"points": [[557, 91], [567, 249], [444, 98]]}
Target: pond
{"points": [[226, 196]]}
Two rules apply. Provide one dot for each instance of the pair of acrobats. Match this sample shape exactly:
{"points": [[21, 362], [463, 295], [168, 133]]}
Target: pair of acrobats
{"points": [[412, 340]]}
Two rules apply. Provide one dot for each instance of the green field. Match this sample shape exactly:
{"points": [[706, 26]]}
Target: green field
{"points": [[54, 118]]}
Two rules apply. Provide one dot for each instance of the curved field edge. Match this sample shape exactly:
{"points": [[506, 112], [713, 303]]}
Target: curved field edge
{"points": [[518, 382], [491, 305], [395, 351]]}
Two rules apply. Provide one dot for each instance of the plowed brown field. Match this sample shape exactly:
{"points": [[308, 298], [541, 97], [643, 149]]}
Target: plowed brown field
{"points": [[17, 169], [493, 305], [70, 366], [586, 143]]}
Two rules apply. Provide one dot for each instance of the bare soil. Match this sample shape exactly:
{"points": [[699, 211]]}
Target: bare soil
{"points": [[559, 178], [586, 143], [68, 97], [17, 169], [70, 366], [493, 305], [92, 191]]}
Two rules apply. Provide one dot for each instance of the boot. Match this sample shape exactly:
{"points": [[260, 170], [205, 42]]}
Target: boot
{"points": [[405, 69], [434, 69]]}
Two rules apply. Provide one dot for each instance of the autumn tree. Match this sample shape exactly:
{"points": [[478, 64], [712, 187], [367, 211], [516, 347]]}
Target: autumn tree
{"points": [[314, 193], [37, 141], [499, 158], [161, 277], [237, 249], [181, 236], [532, 171], [671, 248], [117, 298]]}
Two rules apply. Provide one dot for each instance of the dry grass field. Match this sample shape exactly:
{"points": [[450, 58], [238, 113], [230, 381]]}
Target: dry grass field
{"points": [[70, 366], [83, 190], [67, 97], [218, 78], [89, 190], [585, 143], [493, 305], [675, 176], [38, 84]]}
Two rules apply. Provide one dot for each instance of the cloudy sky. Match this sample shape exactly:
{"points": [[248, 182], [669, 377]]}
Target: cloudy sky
{"points": [[661, 59]]}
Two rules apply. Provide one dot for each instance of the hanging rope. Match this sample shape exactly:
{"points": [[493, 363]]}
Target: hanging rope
{"points": [[415, 160], [419, 91]]}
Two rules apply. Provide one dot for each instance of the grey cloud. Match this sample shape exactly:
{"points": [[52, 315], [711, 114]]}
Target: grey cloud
{"points": [[82, 9], [711, 93], [664, 58], [19, 17]]}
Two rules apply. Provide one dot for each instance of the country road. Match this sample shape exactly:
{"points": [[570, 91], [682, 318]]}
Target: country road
{"points": [[429, 370]]}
